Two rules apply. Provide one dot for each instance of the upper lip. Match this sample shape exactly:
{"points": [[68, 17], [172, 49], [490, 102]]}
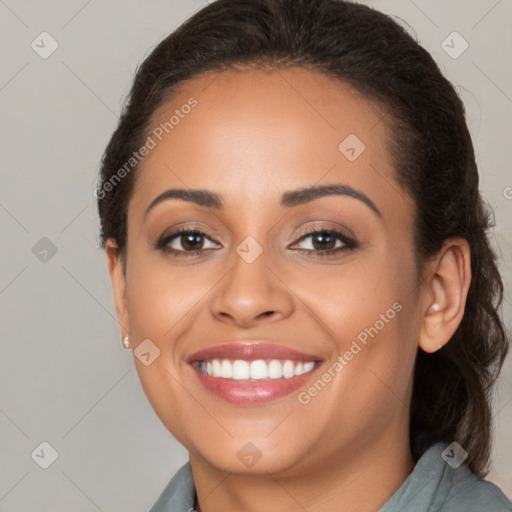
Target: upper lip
{"points": [[250, 352]]}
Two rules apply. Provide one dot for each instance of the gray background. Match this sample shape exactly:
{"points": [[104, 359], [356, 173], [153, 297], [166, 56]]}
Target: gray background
{"points": [[64, 377]]}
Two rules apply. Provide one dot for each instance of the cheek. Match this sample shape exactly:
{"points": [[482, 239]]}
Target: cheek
{"points": [[160, 296], [366, 308], [353, 296], [368, 381], [162, 303]]}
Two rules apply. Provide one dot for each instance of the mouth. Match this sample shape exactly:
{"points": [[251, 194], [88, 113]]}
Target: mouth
{"points": [[255, 370], [252, 373]]}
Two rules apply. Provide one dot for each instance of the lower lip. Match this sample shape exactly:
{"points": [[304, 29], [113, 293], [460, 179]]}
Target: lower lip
{"points": [[244, 392]]}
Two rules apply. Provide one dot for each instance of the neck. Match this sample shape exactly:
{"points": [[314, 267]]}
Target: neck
{"points": [[360, 478]]}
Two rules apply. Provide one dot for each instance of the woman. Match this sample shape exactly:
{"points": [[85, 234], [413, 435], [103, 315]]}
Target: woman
{"points": [[299, 261]]}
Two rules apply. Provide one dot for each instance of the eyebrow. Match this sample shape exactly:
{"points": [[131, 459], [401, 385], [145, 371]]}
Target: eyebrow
{"points": [[289, 199]]}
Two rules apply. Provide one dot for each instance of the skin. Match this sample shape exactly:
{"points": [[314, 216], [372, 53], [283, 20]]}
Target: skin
{"points": [[252, 136]]}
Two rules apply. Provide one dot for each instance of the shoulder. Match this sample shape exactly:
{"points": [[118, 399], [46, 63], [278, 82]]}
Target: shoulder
{"points": [[180, 493], [466, 491], [439, 484], [469, 493]]}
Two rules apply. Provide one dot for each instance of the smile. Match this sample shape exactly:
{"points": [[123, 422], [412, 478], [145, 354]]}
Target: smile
{"points": [[255, 370], [252, 373]]}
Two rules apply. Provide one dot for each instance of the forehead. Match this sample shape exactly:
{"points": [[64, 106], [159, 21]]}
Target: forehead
{"points": [[249, 133]]}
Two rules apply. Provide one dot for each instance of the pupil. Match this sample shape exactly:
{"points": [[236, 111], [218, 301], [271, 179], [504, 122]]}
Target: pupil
{"points": [[188, 237], [323, 237]]}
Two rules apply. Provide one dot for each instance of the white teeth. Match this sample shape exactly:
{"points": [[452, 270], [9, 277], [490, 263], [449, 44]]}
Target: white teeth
{"points": [[275, 369], [308, 366], [288, 370], [227, 369], [216, 368], [255, 370], [259, 369], [240, 370]]}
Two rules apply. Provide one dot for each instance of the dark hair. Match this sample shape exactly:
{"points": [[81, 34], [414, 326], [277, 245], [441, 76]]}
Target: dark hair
{"points": [[433, 158]]}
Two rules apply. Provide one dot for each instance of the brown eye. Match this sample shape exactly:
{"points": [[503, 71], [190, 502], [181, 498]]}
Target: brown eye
{"points": [[323, 241], [326, 242], [185, 241], [191, 241]]}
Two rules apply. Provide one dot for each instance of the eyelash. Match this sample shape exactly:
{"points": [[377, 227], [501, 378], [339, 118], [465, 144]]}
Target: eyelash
{"points": [[349, 244]]}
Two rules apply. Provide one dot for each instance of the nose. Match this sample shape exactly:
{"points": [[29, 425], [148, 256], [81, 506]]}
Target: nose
{"points": [[251, 294]]}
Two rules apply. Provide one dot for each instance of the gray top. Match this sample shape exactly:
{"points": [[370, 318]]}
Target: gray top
{"points": [[432, 486]]}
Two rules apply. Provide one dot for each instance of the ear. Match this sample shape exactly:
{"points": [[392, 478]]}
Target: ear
{"points": [[118, 280], [445, 291]]}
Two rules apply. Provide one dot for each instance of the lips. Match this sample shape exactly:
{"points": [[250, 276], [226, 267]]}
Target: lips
{"points": [[251, 352], [242, 373]]}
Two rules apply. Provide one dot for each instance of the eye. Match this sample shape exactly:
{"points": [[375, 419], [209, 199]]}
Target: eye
{"points": [[185, 242], [191, 242], [325, 242]]}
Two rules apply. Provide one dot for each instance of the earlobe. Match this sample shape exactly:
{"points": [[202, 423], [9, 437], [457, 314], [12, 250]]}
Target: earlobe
{"points": [[118, 281], [445, 293]]}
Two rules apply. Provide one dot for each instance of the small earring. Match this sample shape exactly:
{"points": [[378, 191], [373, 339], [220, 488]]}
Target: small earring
{"points": [[126, 342], [434, 307]]}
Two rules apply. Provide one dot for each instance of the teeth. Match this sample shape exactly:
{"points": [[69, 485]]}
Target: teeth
{"points": [[226, 369], [240, 370], [308, 366], [275, 369], [288, 370], [255, 370], [259, 369], [216, 368]]}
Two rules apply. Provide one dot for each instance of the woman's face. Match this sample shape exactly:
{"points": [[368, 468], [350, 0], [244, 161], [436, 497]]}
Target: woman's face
{"points": [[254, 286]]}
